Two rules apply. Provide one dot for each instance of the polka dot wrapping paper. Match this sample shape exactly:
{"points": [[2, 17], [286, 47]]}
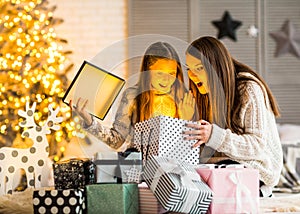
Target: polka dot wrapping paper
{"points": [[162, 136], [59, 201], [73, 173]]}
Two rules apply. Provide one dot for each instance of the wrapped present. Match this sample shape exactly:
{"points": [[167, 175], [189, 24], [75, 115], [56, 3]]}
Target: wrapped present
{"points": [[117, 167], [162, 136], [236, 189], [59, 201], [112, 198], [73, 173], [177, 186], [148, 203], [291, 160]]}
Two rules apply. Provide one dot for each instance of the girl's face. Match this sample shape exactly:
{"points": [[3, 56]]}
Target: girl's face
{"points": [[197, 73], [163, 75]]}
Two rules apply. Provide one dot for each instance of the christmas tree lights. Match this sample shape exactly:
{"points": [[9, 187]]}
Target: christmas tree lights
{"points": [[33, 67]]}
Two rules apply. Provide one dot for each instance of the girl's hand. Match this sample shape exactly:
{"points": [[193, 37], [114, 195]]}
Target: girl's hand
{"points": [[82, 112], [187, 107], [201, 132]]}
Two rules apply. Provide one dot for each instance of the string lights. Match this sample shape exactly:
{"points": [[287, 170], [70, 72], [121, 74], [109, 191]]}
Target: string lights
{"points": [[33, 67]]}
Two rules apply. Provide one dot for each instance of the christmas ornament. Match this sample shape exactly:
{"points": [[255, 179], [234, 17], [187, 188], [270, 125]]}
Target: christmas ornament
{"points": [[287, 39], [227, 26]]}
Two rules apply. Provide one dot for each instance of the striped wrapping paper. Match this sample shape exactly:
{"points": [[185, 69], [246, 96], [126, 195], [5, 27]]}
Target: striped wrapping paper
{"points": [[148, 203], [177, 186]]}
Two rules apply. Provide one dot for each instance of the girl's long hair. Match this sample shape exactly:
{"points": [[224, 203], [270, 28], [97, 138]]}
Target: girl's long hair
{"points": [[144, 99], [223, 102]]}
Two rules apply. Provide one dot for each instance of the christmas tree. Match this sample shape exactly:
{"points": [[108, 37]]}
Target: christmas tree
{"points": [[33, 67]]}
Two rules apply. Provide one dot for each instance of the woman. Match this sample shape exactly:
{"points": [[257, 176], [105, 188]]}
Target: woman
{"points": [[159, 91], [236, 110]]}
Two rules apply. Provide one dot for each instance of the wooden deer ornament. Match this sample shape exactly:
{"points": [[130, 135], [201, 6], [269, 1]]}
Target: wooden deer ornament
{"points": [[32, 159]]}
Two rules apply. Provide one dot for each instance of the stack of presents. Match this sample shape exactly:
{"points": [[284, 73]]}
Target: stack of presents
{"points": [[161, 175]]}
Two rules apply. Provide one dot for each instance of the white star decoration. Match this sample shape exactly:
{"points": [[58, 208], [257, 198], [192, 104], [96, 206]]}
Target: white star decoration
{"points": [[288, 40], [252, 31]]}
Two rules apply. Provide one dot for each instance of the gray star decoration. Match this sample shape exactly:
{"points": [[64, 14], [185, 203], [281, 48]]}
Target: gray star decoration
{"points": [[227, 26], [287, 39]]}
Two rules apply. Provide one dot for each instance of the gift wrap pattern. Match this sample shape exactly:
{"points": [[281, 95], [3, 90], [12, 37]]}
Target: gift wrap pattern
{"points": [[112, 198], [73, 173], [131, 168], [236, 189], [177, 185], [162, 136], [107, 167], [112, 167], [148, 203], [59, 201], [291, 167]]}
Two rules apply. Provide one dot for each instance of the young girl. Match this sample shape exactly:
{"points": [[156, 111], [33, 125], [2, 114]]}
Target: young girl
{"points": [[236, 110], [159, 91]]}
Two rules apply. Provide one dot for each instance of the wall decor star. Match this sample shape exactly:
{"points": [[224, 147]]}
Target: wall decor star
{"points": [[252, 31], [227, 26], [287, 39]]}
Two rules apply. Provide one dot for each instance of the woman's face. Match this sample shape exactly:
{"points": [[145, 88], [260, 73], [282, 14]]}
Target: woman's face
{"points": [[163, 75], [197, 73]]}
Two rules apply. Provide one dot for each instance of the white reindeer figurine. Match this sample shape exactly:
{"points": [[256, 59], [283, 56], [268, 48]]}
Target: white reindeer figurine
{"points": [[32, 159]]}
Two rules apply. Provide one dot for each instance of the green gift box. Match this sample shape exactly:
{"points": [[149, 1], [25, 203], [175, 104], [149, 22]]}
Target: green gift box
{"points": [[112, 198]]}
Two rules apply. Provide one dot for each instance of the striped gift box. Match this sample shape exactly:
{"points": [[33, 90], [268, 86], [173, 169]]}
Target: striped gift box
{"points": [[148, 203], [177, 186]]}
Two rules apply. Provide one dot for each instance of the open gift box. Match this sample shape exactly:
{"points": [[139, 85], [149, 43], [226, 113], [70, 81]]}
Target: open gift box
{"points": [[162, 136], [236, 189]]}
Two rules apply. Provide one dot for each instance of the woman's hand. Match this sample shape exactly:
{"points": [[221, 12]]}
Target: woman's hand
{"points": [[201, 132], [81, 111], [187, 107]]}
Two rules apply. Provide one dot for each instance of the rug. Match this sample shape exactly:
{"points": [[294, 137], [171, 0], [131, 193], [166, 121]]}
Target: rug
{"points": [[21, 203]]}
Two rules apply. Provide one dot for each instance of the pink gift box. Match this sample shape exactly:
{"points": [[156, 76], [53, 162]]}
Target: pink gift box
{"points": [[236, 190]]}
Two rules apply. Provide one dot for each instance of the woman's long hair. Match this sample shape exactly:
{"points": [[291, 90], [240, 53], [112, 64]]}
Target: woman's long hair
{"points": [[144, 99], [223, 102]]}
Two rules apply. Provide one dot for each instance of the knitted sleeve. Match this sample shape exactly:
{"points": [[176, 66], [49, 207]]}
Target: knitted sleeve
{"points": [[254, 117], [122, 129], [259, 147]]}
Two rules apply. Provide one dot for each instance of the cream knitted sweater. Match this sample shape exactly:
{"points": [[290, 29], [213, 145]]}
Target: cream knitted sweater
{"points": [[260, 146]]}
